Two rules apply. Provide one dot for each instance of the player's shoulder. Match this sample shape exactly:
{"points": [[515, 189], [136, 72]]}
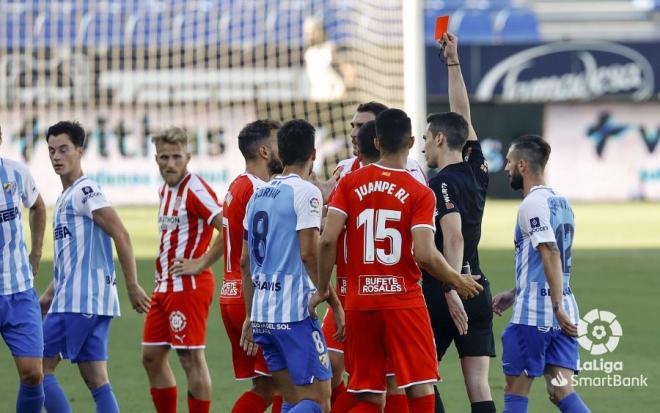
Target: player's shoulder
{"points": [[12, 165], [416, 170], [301, 186], [198, 186], [345, 166], [537, 198]]}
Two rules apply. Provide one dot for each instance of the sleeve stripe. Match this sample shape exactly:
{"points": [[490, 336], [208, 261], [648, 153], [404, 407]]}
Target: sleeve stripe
{"points": [[341, 211], [423, 226]]}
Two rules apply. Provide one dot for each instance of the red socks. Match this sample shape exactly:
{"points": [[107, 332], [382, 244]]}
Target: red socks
{"points": [[365, 407], [396, 403], [337, 391], [424, 404], [164, 399], [344, 402], [277, 404], [198, 406], [249, 402]]}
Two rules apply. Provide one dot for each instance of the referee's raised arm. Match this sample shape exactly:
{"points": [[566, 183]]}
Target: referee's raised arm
{"points": [[458, 97]]}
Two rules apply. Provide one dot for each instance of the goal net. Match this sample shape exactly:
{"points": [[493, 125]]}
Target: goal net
{"points": [[125, 69]]}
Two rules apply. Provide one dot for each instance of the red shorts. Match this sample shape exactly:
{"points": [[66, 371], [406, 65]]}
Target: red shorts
{"points": [[178, 319], [398, 341], [329, 328], [245, 367]]}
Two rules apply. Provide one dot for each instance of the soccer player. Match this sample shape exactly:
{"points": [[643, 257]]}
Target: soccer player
{"points": [[189, 212], [363, 114], [389, 228], [540, 338], [258, 144], [460, 188], [279, 267], [83, 294], [20, 318]]}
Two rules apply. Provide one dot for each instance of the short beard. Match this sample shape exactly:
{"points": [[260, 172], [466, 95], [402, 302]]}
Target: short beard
{"points": [[275, 166], [516, 181]]}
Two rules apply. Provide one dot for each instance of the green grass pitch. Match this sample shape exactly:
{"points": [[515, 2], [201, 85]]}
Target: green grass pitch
{"points": [[615, 267]]}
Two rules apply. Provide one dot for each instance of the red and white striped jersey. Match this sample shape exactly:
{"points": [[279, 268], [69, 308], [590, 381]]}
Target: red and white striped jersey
{"points": [[233, 212], [184, 220], [353, 164]]}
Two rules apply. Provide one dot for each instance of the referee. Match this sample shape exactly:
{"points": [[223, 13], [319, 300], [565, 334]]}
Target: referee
{"points": [[460, 189]]}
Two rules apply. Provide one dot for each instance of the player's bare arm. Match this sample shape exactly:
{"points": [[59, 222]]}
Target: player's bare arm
{"points": [[327, 250], [109, 221], [458, 97], [248, 293], [37, 221], [430, 259], [453, 250], [194, 266], [552, 267], [46, 298]]}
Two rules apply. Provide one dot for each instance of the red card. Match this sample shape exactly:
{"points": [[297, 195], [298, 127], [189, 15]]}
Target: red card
{"points": [[441, 24]]}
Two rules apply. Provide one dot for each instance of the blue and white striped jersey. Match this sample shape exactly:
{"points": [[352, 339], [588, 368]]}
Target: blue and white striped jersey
{"points": [[275, 214], [18, 187], [543, 217], [84, 269]]}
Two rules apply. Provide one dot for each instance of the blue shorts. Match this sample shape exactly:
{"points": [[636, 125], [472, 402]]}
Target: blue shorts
{"points": [[77, 337], [20, 323], [298, 347], [529, 349]]}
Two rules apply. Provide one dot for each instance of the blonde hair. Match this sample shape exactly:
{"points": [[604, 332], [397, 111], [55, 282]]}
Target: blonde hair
{"points": [[173, 135]]}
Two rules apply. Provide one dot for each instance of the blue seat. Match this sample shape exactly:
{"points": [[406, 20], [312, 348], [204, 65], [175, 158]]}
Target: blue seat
{"points": [[472, 26], [55, 27], [148, 28], [102, 29], [517, 25], [15, 32]]}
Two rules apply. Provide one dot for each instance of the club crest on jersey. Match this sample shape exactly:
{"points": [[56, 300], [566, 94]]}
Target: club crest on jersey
{"points": [[177, 203], [230, 289], [177, 321], [381, 284], [9, 187]]}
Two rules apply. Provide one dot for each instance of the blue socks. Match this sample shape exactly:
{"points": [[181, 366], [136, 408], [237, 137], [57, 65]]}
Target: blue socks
{"points": [[515, 404], [573, 404], [55, 399], [286, 407], [105, 399], [305, 406], [30, 398]]}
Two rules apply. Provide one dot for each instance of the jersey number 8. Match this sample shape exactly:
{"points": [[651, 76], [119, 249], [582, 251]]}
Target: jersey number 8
{"points": [[259, 233]]}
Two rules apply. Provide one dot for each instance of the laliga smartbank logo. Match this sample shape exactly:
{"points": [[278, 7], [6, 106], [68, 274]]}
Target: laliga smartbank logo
{"points": [[599, 332]]}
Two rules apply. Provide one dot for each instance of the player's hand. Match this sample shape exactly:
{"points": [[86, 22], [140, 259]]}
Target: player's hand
{"points": [[314, 301], [44, 302], [466, 285], [565, 323], [457, 312], [139, 299], [183, 266], [247, 342], [502, 301], [450, 48], [340, 319], [34, 259]]}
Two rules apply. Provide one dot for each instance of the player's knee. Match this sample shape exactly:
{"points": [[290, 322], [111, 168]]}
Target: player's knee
{"points": [[96, 379], [558, 393], [31, 375], [478, 387], [151, 362], [264, 388]]}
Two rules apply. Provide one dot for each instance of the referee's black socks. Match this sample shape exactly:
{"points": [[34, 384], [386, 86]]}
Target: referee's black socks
{"points": [[484, 407]]}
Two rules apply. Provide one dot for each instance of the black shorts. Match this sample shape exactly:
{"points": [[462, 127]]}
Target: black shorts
{"points": [[479, 341]]}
